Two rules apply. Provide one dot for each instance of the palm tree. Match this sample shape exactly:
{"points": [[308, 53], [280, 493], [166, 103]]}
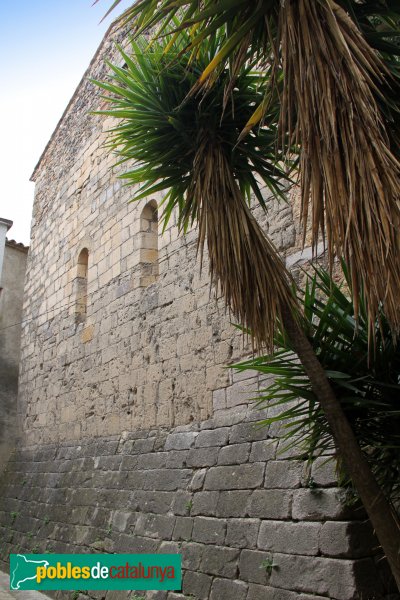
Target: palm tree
{"points": [[191, 149], [368, 390], [339, 104]]}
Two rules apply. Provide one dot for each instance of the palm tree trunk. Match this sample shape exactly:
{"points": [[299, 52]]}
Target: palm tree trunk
{"points": [[254, 284], [381, 514]]}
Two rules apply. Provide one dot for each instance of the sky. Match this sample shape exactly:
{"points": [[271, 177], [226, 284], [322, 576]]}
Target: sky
{"points": [[45, 48]]}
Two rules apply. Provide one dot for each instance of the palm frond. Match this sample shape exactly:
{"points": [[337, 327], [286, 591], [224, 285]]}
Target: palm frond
{"points": [[189, 148], [340, 103], [367, 386], [349, 176]]}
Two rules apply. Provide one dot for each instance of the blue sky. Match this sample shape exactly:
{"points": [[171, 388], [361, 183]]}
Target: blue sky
{"points": [[45, 48]]}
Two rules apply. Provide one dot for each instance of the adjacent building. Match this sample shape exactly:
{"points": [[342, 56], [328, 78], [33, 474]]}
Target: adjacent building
{"points": [[13, 257]]}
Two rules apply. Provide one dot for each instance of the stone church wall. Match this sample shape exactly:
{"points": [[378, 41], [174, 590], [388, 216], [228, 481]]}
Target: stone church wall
{"points": [[220, 492], [135, 437]]}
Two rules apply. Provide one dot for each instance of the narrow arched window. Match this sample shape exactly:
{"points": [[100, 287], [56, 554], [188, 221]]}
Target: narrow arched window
{"points": [[149, 244], [81, 285]]}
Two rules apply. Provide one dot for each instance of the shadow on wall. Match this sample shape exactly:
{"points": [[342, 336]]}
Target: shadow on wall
{"points": [[12, 276], [8, 402]]}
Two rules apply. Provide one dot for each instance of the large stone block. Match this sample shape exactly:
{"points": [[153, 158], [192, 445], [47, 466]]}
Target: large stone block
{"points": [[242, 533], [290, 538], [253, 566], [216, 437], [234, 454], [204, 503], [155, 526], [262, 592], [283, 474], [183, 529], [263, 450], [218, 560], [320, 504], [154, 460], [324, 576], [223, 589], [235, 477], [202, 457], [192, 555], [152, 502], [233, 503], [197, 585], [247, 432], [209, 531], [181, 441], [270, 504], [347, 539]]}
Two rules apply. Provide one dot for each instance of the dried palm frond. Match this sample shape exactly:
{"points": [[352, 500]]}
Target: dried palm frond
{"points": [[341, 101], [191, 150], [349, 176], [243, 262]]}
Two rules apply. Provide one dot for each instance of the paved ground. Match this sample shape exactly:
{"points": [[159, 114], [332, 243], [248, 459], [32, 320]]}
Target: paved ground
{"points": [[7, 594]]}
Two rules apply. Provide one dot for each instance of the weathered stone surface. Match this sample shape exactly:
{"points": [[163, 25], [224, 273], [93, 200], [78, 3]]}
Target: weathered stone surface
{"points": [[153, 502], [233, 503], [247, 432], [347, 539], [242, 533], [234, 454], [252, 566], [263, 450], [224, 589], [320, 504], [176, 459], [202, 457], [205, 503], [157, 526], [261, 592], [156, 460], [181, 441], [156, 595], [270, 504], [323, 472], [283, 474], [220, 561], [182, 503], [290, 538], [334, 578], [197, 480], [183, 529], [209, 531], [216, 437], [192, 555], [197, 585], [241, 392], [235, 477]]}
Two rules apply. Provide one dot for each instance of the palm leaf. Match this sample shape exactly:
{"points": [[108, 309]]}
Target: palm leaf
{"points": [[340, 104], [172, 142], [367, 386]]}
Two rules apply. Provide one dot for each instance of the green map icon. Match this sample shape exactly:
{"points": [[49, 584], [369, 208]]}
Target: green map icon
{"points": [[24, 569]]}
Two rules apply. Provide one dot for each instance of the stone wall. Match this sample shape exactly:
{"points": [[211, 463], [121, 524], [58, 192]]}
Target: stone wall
{"points": [[12, 278], [134, 434], [154, 342], [220, 492]]}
